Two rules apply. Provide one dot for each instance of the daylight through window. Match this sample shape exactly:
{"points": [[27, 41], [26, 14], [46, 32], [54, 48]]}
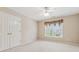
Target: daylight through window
{"points": [[54, 28]]}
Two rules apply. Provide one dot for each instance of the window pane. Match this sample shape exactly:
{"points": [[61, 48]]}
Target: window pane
{"points": [[54, 29]]}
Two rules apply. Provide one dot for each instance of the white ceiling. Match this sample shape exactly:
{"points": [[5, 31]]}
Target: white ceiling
{"points": [[36, 13]]}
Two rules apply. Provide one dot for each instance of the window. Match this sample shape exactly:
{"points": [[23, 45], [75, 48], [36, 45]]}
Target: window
{"points": [[54, 28]]}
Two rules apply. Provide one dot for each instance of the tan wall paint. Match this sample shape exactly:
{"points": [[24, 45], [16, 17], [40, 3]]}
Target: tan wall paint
{"points": [[29, 30], [71, 29]]}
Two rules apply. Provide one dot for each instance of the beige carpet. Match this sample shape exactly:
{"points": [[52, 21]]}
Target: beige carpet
{"points": [[45, 46]]}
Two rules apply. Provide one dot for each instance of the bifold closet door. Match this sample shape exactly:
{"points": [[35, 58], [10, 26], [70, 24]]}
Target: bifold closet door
{"points": [[4, 40], [10, 31], [14, 32]]}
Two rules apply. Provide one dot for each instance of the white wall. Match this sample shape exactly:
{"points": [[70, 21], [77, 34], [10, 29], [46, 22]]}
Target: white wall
{"points": [[29, 30]]}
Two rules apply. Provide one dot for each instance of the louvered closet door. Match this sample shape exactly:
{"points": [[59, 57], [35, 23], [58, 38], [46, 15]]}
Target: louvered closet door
{"points": [[10, 31]]}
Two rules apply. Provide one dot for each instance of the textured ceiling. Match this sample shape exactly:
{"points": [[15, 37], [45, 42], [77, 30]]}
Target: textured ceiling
{"points": [[37, 13]]}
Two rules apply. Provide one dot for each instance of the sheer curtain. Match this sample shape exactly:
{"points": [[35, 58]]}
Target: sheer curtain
{"points": [[54, 29]]}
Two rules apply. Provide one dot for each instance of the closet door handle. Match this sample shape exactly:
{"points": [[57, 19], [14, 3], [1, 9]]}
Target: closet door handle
{"points": [[9, 33]]}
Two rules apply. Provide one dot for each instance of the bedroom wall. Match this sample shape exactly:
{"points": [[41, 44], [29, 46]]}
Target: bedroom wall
{"points": [[71, 29], [78, 29], [29, 30]]}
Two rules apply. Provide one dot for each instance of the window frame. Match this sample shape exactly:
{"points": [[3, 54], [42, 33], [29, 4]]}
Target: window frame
{"points": [[54, 36]]}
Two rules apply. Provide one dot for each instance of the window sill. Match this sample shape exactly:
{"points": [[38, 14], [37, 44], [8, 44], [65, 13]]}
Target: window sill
{"points": [[54, 36]]}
